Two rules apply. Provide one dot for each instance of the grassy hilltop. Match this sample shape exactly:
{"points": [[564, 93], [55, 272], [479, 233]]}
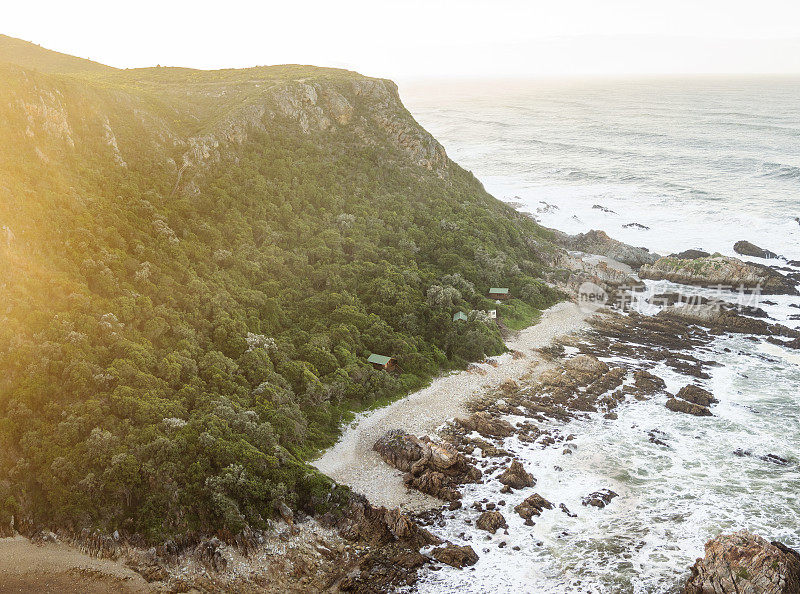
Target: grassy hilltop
{"points": [[194, 267]]}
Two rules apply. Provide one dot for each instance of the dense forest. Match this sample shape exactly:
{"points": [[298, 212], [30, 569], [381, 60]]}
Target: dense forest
{"points": [[195, 267]]}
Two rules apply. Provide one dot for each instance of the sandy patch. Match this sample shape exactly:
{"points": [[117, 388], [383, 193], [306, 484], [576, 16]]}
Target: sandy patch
{"points": [[59, 569], [353, 463]]}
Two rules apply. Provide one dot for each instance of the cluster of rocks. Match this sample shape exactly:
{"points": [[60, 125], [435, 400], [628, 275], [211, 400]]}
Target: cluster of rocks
{"points": [[433, 468], [599, 243], [692, 400]]}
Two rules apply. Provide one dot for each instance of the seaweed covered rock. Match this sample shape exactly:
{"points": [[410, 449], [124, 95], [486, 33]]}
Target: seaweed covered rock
{"points": [[533, 506], [455, 556], [491, 521]]}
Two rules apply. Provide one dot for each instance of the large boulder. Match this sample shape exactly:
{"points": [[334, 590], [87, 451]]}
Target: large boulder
{"points": [[745, 248], [533, 506], [717, 270], [599, 498], [689, 408], [696, 395], [491, 521], [743, 563], [455, 556], [516, 477]]}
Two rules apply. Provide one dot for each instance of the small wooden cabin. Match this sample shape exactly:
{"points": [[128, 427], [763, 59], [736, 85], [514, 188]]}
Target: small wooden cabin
{"points": [[459, 316], [383, 362], [498, 293]]}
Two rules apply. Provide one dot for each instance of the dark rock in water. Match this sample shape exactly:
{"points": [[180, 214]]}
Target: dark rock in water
{"points": [[773, 458], [745, 248], [721, 317], [491, 521], [647, 384], [655, 438], [533, 506], [565, 509], [690, 255], [743, 563], [516, 477], [603, 208], [696, 395], [599, 498], [599, 243], [455, 556], [678, 405], [636, 226]]}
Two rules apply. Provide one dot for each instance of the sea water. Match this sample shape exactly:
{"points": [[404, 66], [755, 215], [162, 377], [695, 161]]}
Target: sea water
{"points": [[667, 164]]}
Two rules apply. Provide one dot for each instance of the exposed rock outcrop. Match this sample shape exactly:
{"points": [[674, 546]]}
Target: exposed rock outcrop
{"points": [[433, 468], [680, 405], [455, 556], [696, 395], [598, 242], [533, 506], [745, 248], [491, 521], [743, 563], [486, 425], [516, 477], [718, 270]]}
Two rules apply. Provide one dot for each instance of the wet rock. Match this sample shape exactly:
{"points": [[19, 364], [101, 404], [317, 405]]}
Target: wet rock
{"points": [[491, 521], [455, 556], [743, 563], [745, 248], [488, 426], [516, 477], [599, 498], [721, 318], [696, 395], [533, 506], [636, 226], [682, 406], [565, 509]]}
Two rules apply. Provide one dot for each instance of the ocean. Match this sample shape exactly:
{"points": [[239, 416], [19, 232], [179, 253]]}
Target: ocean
{"points": [[667, 164]]}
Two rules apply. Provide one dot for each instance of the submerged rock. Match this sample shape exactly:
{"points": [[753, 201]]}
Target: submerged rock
{"points": [[599, 498], [743, 563], [516, 477]]}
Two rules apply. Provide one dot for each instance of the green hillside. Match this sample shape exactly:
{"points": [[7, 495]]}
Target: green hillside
{"points": [[194, 268]]}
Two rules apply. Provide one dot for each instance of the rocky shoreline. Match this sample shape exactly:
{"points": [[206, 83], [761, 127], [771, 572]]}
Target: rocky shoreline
{"points": [[370, 548]]}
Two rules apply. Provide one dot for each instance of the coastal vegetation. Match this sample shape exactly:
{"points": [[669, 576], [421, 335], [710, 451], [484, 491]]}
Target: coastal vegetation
{"points": [[196, 266]]}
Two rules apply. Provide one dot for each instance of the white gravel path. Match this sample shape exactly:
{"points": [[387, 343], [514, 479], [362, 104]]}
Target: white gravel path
{"points": [[352, 462]]}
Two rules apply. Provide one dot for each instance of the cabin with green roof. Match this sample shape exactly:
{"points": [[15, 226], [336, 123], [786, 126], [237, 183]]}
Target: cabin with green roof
{"points": [[383, 362], [459, 316], [498, 293]]}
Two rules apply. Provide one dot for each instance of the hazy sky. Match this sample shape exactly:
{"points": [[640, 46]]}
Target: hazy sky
{"points": [[431, 38]]}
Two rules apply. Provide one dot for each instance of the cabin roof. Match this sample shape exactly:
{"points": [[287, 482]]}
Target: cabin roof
{"points": [[459, 315], [498, 290], [378, 359]]}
